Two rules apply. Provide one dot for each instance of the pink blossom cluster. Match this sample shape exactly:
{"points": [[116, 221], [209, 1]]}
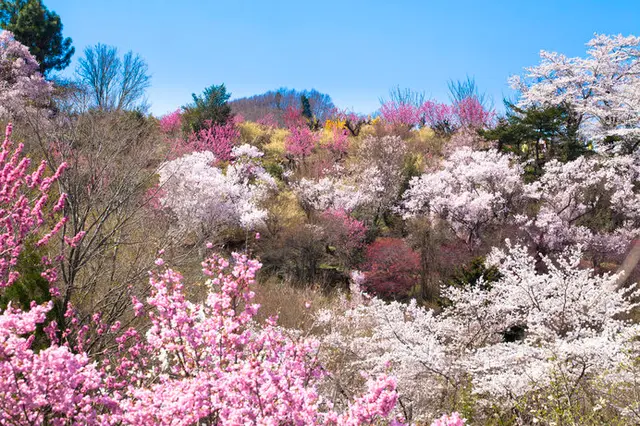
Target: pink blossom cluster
{"points": [[437, 115], [197, 362], [396, 113], [467, 113], [171, 122], [24, 198], [453, 419], [212, 362], [354, 230], [293, 117], [301, 141], [470, 113], [216, 138], [339, 143], [50, 386], [268, 120]]}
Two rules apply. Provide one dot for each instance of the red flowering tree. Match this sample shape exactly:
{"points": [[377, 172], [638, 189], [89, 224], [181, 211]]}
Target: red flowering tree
{"points": [[391, 268]]}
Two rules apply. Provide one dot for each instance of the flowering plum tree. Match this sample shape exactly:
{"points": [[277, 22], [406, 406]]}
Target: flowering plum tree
{"points": [[391, 268], [400, 114], [23, 199], [171, 122], [52, 384], [218, 139], [440, 117], [300, 142], [471, 114], [444, 119]]}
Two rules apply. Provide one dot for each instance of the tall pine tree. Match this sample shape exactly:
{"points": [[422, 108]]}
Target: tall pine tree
{"points": [[40, 29]]}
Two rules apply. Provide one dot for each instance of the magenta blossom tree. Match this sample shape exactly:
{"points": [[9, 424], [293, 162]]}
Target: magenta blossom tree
{"points": [[216, 138], [171, 122], [198, 363]]}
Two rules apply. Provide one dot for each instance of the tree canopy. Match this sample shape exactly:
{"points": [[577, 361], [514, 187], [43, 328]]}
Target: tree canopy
{"points": [[40, 29]]}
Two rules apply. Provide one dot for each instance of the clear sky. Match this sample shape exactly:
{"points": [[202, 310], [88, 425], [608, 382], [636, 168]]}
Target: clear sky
{"points": [[355, 51]]}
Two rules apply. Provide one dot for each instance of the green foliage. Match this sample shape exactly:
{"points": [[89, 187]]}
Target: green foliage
{"points": [[30, 285], [210, 108], [538, 135], [306, 107], [410, 169], [40, 29], [472, 273], [563, 402], [273, 168]]}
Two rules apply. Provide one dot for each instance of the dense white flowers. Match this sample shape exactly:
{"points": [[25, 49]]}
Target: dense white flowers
{"points": [[330, 193], [207, 199], [246, 150], [507, 337], [592, 201], [473, 191], [372, 184], [603, 89]]}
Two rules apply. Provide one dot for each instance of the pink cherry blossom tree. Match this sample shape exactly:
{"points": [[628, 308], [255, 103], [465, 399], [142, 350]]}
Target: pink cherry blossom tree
{"points": [[22, 87]]}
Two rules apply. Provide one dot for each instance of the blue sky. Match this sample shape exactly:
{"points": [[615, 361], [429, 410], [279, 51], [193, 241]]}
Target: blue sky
{"points": [[355, 51]]}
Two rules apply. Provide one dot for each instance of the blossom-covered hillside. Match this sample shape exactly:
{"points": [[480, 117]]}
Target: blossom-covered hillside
{"points": [[430, 263]]}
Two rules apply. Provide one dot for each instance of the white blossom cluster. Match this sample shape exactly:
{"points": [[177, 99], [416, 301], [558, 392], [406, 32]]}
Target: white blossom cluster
{"points": [[373, 184], [571, 195], [570, 321], [330, 193], [593, 201], [603, 89], [205, 198], [473, 191], [246, 151]]}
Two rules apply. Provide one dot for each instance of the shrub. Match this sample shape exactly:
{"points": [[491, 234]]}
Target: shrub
{"points": [[171, 123], [209, 108], [345, 235], [391, 268]]}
